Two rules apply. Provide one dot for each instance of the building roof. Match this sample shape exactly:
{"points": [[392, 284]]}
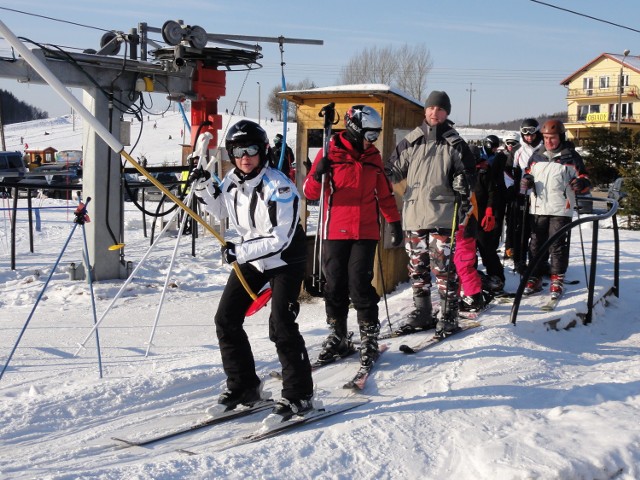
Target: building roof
{"points": [[349, 90], [630, 61]]}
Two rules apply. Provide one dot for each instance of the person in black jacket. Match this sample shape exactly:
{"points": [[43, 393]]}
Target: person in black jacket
{"points": [[490, 197]]}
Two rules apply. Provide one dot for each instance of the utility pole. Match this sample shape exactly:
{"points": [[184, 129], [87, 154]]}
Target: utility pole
{"points": [[621, 86], [470, 90], [259, 113]]}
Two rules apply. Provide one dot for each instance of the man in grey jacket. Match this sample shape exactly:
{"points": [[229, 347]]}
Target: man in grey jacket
{"points": [[439, 170]]}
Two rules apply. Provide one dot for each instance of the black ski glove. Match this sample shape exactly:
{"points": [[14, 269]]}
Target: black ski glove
{"points": [[526, 183], [197, 173], [397, 235], [228, 252], [324, 165], [580, 185]]}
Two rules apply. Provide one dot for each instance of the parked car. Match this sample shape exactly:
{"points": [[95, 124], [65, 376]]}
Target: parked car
{"points": [[151, 192], [12, 169], [59, 177], [131, 184]]}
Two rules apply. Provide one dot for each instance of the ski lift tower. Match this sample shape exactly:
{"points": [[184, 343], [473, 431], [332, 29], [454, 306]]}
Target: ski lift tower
{"points": [[185, 69]]}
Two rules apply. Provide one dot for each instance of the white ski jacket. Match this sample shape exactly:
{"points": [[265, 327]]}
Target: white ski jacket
{"points": [[265, 212]]}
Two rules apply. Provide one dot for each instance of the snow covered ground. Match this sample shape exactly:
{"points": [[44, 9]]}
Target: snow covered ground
{"points": [[498, 402]]}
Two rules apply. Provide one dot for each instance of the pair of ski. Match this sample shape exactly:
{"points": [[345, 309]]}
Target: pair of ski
{"points": [[263, 431]]}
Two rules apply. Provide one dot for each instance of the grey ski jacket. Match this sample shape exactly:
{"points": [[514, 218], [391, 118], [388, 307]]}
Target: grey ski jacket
{"points": [[429, 159]]}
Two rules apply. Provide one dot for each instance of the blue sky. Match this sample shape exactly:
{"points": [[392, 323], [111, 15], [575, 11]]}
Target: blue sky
{"points": [[513, 52]]}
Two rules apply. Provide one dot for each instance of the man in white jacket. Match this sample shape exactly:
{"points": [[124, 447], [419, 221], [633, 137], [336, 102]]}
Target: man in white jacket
{"points": [[553, 176]]}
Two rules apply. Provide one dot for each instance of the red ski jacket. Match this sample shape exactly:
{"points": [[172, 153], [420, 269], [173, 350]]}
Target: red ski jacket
{"points": [[356, 192]]}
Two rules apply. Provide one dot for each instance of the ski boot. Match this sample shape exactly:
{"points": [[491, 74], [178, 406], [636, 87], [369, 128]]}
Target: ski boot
{"points": [[338, 343], [557, 286], [369, 351], [448, 322], [287, 408], [421, 318], [473, 303], [230, 399], [534, 284]]}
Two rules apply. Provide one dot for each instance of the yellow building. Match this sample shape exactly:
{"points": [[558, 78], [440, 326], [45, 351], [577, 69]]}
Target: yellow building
{"points": [[603, 93]]}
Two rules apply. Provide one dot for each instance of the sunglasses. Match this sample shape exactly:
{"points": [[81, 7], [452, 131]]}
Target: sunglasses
{"points": [[511, 143], [249, 151], [371, 135], [529, 130]]}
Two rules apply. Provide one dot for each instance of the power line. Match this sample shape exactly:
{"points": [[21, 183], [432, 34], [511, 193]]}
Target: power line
{"points": [[586, 16], [54, 19]]}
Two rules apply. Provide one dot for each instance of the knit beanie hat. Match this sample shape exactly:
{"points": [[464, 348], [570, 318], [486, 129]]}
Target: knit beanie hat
{"points": [[439, 99]]}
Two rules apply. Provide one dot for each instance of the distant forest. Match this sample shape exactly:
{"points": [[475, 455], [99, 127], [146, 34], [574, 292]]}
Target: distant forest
{"points": [[515, 124], [16, 111]]}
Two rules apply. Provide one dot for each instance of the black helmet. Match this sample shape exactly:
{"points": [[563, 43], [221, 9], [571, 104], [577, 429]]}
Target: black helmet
{"points": [[246, 133], [362, 122], [489, 143], [529, 126]]}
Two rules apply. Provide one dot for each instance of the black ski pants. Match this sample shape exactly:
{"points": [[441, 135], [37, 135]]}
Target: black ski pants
{"points": [[488, 243], [348, 270], [544, 227], [237, 357]]}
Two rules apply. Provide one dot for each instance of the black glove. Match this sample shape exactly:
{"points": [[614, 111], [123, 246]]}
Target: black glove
{"points": [[228, 252], [397, 235], [197, 173], [324, 165], [579, 184], [526, 183]]}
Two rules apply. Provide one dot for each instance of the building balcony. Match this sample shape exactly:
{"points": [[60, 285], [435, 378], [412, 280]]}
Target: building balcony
{"points": [[628, 91], [600, 119]]}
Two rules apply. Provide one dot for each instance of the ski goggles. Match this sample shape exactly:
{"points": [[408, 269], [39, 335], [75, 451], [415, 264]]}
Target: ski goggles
{"points": [[371, 135], [511, 143], [249, 151], [529, 130]]}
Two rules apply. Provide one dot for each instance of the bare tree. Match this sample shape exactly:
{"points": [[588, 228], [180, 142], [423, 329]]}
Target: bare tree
{"points": [[274, 104], [405, 68]]}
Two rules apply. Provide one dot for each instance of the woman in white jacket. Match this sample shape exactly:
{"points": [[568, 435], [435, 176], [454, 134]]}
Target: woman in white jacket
{"points": [[262, 205]]}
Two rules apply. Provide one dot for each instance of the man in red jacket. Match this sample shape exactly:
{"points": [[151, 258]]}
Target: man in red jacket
{"points": [[355, 193]]}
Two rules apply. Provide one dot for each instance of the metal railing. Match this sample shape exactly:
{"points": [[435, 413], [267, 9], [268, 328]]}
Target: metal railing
{"points": [[627, 91], [595, 219]]}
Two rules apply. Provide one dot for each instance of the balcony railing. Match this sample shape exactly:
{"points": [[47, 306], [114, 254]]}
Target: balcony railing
{"points": [[601, 118], [612, 92]]}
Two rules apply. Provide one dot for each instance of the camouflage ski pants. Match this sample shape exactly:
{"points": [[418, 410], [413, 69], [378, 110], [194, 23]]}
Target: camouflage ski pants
{"points": [[430, 251]]}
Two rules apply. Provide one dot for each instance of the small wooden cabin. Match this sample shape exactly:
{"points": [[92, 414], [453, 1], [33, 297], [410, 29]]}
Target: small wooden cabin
{"points": [[36, 157], [400, 114]]}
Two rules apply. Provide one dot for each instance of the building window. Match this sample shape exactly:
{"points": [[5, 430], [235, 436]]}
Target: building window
{"points": [[624, 82], [625, 108], [587, 85], [584, 110], [604, 82]]}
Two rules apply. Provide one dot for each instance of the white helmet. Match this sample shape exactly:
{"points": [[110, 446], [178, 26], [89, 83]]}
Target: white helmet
{"points": [[511, 136]]}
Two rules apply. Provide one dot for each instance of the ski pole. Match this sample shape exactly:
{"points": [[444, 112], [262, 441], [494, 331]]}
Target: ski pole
{"points": [[46, 283], [384, 290], [126, 283], [85, 252], [201, 152], [109, 139], [452, 245], [328, 112]]}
